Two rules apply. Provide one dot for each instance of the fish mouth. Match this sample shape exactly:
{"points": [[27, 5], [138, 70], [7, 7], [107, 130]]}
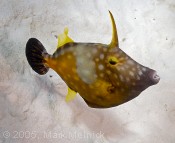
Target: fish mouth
{"points": [[150, 78], [154, 77]]}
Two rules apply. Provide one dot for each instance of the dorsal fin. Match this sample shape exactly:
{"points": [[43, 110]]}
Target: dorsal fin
{"points": [[64, 38], [114, 42]]}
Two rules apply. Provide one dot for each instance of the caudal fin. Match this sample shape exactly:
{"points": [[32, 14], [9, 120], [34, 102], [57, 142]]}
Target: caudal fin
{"points": [[35, 53]]}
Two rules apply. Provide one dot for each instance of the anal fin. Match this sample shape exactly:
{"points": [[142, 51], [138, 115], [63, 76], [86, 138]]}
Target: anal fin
{"points": [[70, 95]]}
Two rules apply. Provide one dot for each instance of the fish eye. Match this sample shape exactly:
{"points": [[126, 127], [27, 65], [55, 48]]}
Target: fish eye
{"points": [[113, 60]]}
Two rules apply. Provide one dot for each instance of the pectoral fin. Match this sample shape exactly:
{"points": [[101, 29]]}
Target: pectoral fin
{"points": [[70, 95], [64, 38]]}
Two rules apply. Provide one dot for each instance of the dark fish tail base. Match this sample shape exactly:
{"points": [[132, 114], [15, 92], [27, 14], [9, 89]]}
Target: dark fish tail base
{"points": [[35, 53]]}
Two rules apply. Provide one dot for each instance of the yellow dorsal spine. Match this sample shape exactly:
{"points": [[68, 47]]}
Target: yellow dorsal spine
{"points": [[114, 42]]}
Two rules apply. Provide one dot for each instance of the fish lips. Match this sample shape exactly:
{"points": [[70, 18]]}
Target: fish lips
{"points": [[153, 76]]}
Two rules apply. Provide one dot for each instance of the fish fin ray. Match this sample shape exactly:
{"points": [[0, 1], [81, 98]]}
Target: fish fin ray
{"points": [[64, 38], [70, 95], [36, 53]]}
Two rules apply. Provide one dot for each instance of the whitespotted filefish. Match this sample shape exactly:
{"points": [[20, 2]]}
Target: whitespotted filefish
{"points": [[103, 75]]}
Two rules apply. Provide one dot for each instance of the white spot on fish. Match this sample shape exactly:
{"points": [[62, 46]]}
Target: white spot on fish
{"points": [[95, 76], [101, 56], [122, 59], [94, 50], [122, 68], [143, 69], [138, 77], [126, 58], [133, 69], [131, 73], [127, 79], [126, 66], [100, 67], [131, 62], [140, 72], [121, 78], [138, 67]]}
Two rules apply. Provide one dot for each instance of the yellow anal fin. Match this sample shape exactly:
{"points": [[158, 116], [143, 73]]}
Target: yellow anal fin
{"points": [[70, 95], [64, 38]]}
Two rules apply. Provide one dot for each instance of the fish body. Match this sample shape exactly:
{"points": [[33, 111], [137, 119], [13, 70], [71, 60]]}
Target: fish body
{"points": [[104, 75]]}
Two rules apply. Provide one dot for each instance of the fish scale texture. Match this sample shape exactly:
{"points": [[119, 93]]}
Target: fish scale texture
{"points": [[33, 107]]}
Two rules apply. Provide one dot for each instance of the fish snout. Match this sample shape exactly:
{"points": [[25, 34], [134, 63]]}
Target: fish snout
{"points": [[154, 77]]}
